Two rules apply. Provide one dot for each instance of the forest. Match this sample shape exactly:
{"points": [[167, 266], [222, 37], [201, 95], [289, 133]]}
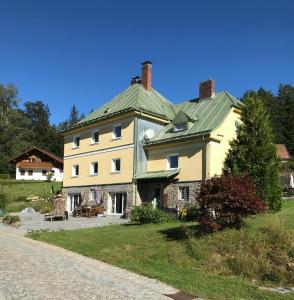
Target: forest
{"points": [[22, 128]]}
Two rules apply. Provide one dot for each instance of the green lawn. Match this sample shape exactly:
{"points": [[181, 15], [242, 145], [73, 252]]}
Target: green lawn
{"points": [[17, 188], [203, 266]]}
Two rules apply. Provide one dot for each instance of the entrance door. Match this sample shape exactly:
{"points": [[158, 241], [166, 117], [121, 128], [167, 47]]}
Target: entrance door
{"points": [[74, 201], [118, 203], [157, 198]]}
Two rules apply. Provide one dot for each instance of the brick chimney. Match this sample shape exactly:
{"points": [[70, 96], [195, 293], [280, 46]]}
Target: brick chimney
{"points": [[206, 89], [147, 75]]}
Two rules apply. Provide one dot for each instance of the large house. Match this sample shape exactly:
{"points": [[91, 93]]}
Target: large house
{"points": [[36, 164], [139, 147]]}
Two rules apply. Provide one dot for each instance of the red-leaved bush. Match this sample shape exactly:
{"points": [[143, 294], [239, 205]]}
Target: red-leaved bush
{"points": [[225, 200]]}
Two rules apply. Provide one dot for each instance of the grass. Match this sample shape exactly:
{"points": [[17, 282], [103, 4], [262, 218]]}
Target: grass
{"points": [[213, 267], [21, 188]]}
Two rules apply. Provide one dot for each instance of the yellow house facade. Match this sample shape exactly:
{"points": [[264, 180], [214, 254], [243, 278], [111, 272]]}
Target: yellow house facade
{"points": [[139, 147]]}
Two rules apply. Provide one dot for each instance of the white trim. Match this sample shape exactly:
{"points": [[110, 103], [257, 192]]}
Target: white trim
{"points": [[113, 165], [92, 168], [74, 146], [168, 161], [92, 135], [116, 137], [99, 151]]}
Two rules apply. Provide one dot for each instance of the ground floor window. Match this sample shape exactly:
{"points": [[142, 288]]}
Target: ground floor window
{"points": [[22, 172], [184, 193], [118, 203], [44, 172], [30, 172], [74, 201]]}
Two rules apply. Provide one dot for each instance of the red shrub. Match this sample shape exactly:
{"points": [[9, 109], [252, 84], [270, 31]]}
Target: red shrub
{"points": [[225, 200]]}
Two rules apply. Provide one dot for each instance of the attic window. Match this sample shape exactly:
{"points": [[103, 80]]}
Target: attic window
{"points": [[180, 127], [107, 110]]}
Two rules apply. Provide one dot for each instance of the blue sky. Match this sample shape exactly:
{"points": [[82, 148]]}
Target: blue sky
{"points": [[85, 52]]}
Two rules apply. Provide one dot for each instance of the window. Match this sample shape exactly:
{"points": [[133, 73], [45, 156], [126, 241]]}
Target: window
{"points": [[116, 132], [94, 168], [44, 172], [52, 171], [75, 170], [95, 137], [22, 172], [30, 172], [180, 127], [76, 142], [115, 165], [184, 193], [173, 162], [94, 195]]}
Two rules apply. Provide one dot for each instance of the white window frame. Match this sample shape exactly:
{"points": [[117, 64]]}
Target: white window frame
{"points": [[92, 168], [180, 193], [113, 135], [113, 165], [74, 174], [92, 137], [168, 161], [74, 145]]}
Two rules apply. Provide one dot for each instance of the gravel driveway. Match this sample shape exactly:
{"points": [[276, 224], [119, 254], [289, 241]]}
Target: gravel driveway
{"points": [[33, 270]]}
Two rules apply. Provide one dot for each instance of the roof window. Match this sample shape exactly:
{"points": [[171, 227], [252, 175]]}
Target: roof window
{"points": [[180, 127]]}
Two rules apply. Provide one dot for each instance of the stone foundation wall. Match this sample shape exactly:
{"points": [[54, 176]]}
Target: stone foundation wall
{"points": [[104, 191], [172, 192]]}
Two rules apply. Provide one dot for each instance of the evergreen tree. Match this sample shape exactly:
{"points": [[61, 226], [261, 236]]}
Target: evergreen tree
{"points": [[254, 152], [74, 116], [286, 102]]}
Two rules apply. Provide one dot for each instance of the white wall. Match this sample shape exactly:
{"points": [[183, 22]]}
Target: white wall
{"points": [[37, 175]]}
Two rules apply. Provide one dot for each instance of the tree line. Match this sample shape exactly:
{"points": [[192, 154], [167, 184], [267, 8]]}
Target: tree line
{"points": [[22, 128]]}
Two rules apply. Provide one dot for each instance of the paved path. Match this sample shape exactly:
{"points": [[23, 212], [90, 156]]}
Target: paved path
{"points": [[33, 270]]}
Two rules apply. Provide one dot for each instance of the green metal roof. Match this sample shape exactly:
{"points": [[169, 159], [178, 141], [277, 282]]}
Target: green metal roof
{"points": [[157, 175], [134, 98], [208, 112]]}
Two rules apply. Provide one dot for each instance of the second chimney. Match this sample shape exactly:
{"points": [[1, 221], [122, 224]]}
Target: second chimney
{"points": [[206, 89], [147, 75]]}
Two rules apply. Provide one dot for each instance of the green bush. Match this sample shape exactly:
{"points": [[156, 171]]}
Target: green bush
{"points": [[11, 219], [192, 213], [4, 199], [148, 214]]}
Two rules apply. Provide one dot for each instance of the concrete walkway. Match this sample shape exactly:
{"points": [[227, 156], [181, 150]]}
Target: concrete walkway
{"points": [[33, 270]]}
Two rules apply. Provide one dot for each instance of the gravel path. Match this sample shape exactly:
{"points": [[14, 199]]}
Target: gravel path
{"points": [[33, 270], [35, 221]]}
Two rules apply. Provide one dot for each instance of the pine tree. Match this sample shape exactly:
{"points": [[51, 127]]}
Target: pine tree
{"points": [[74, 116], [254, 152]]}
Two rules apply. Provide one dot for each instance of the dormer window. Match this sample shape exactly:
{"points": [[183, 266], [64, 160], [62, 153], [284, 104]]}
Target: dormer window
{"points": [[180, 127]]}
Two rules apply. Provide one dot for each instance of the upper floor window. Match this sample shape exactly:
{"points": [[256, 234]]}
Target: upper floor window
{"points": [[44, 172], [184, 193], [115, 165], [76, 141], [75, 170], [22, 172], [116, 134], [180, 127], [173, 162], [95, 137], [30, 172], [94, 168]]}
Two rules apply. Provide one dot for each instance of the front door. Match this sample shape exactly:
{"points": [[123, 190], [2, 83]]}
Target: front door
{"points": [[118, 203], [74, 201]]}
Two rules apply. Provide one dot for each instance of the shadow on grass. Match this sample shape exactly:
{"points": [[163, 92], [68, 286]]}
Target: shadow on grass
{"points": [[182, 232]]}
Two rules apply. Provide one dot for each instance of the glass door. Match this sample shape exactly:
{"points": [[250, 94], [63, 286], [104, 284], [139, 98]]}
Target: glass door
{"points": [[75, 200], [118, 203]]}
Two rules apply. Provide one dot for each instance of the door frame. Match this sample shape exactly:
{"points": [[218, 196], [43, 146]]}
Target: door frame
{"points": [[110, 201]]}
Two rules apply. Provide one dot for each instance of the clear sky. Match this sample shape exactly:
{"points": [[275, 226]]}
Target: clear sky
{"points": [[85, 52]]}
